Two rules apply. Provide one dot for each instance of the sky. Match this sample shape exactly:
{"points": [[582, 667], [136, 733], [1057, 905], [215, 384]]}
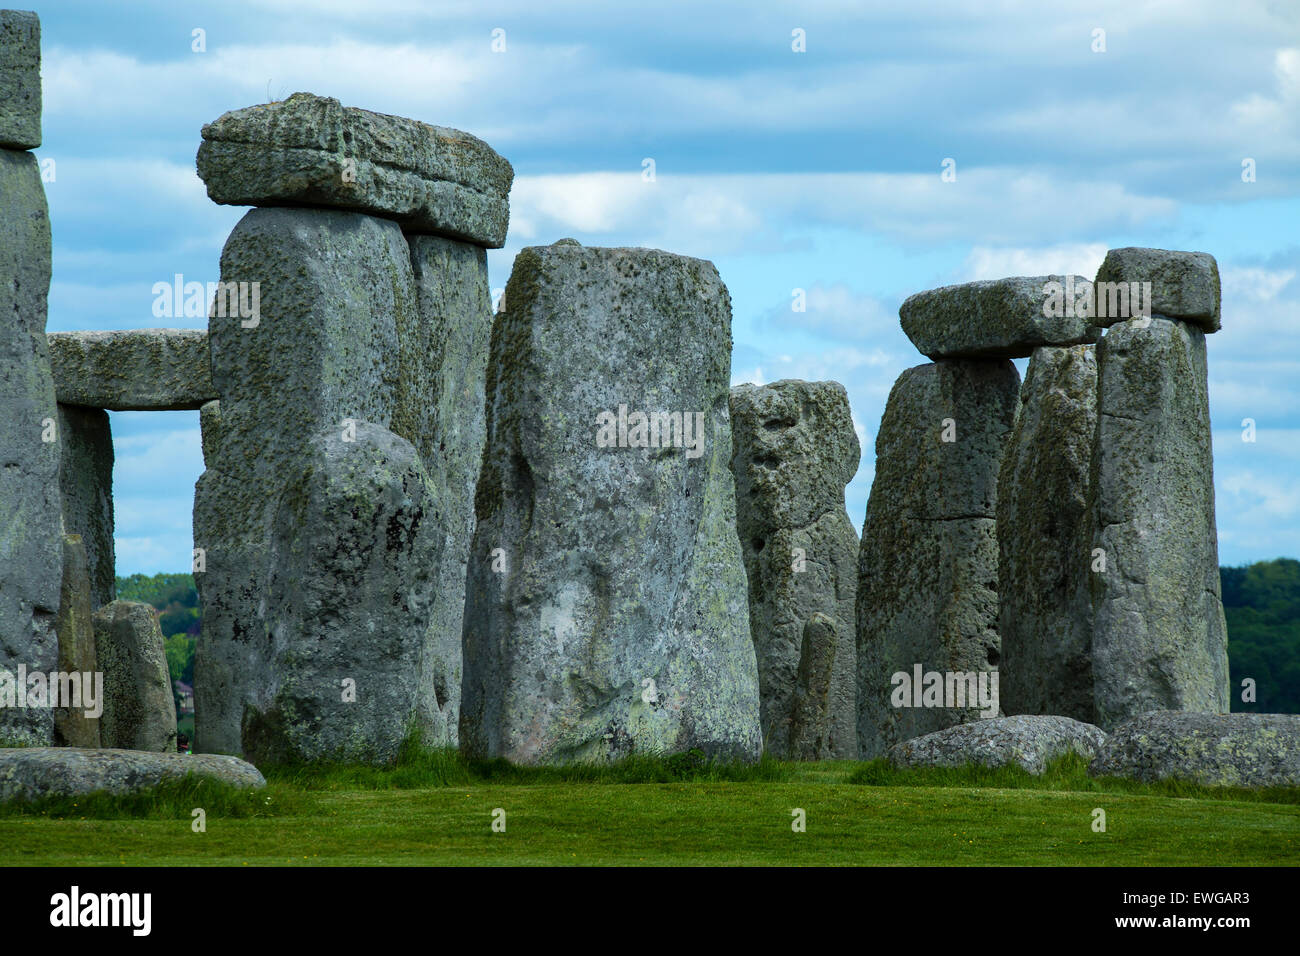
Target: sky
{"points": [[1072, 128]]}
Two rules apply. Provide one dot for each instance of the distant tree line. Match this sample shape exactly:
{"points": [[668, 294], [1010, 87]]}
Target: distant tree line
{"points": [[1261, 602]]}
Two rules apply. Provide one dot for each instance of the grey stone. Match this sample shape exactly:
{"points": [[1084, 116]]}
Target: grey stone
{"points": [[133, 369], [794, 450], [928, 562], [35, 772], [614, 618], [442, 353], [1231, 750], [1184, 285], [349, 667], [76, 726], [139, 711], [1000, 318], [20, 80], [1044, 539], [313, 151], [31, 561], [1030, 742], [1159, 637], [86, 490], [210, 430], [335, 288]]}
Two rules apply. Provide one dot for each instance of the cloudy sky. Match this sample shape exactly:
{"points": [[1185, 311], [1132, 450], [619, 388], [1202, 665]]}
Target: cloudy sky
{"points": [[816, 170]]}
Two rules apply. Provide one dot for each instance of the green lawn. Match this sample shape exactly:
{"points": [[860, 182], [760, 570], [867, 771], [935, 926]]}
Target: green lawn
{"points": [[856, 814]]}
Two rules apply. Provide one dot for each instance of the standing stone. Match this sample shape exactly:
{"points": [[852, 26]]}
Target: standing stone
{"points": [[794, 451], [349, 668], [321, 356], [442, 351], [1159, 636], [606, 610], [928, 564], [139, 710], [20, 81], [1183, 285], [86, 490], [77, 725], [31, 560], [1044, 539]]}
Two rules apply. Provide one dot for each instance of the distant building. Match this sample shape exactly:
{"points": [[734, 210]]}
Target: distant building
{"points": [[185, 696]]}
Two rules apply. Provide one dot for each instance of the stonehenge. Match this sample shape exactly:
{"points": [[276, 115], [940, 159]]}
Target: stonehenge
{"points": [[558, 533], [606, 608]]}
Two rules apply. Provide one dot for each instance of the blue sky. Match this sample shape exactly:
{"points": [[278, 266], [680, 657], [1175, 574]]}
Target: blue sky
{"points": [[816, 170]]}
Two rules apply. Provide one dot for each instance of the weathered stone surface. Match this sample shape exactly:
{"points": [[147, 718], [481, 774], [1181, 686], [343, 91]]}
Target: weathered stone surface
{"points": [[1044, 539], [139, 712], [313, 151], [132, 369], [794, 450], [1184, 285], [928, 563], [1159, 637], [1231, 750], [86, 490], [76, 726], [34, 772], [336, 287], [1030, 742], [614, 619], [31, 559], [999, 318], [20, 80], [210, 430], [442, 352], [352, 565]]}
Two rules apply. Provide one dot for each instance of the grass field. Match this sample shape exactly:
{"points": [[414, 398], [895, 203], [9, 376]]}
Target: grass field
{"points": [[434, 808]]}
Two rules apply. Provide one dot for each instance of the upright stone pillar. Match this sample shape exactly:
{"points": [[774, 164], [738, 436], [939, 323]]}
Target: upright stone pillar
{"points": [[77, 725], [1159, 637], [794, 451], [31, 555], [928, 565], [335, 512], [1044, 539], [139, 709], [606, 610], [86, 492]]}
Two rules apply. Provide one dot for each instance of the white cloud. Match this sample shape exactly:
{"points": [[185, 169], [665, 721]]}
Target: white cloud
{"points": [[987, 262]]}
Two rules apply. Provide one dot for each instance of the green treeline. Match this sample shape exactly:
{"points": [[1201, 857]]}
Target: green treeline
{"points": [[1261, 602]]}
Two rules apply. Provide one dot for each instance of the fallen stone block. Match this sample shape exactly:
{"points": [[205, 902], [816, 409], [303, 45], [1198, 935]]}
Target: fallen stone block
{"points": [[1230, 750], [132, 369], [30, 773], [313, 151], [1029, 742]]}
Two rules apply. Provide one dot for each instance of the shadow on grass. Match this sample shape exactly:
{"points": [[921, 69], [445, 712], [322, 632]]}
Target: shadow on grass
{"points": [[1068, 773], [168, 801]]}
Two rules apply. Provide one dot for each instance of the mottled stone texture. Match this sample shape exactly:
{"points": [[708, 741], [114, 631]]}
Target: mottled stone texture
{"points": [[614, 619], [352, 564], [1000, 318], [794, 450], [442, 351], [313, 151], [928, 563], [75, 726], [1159, 637], [1024, 741], [335, 288], [86, 490], [1184, 285], [20, 80], [139, 711], [1044, 539], [133, 369], [31, 560], [36, 772], [1231, 750]]}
